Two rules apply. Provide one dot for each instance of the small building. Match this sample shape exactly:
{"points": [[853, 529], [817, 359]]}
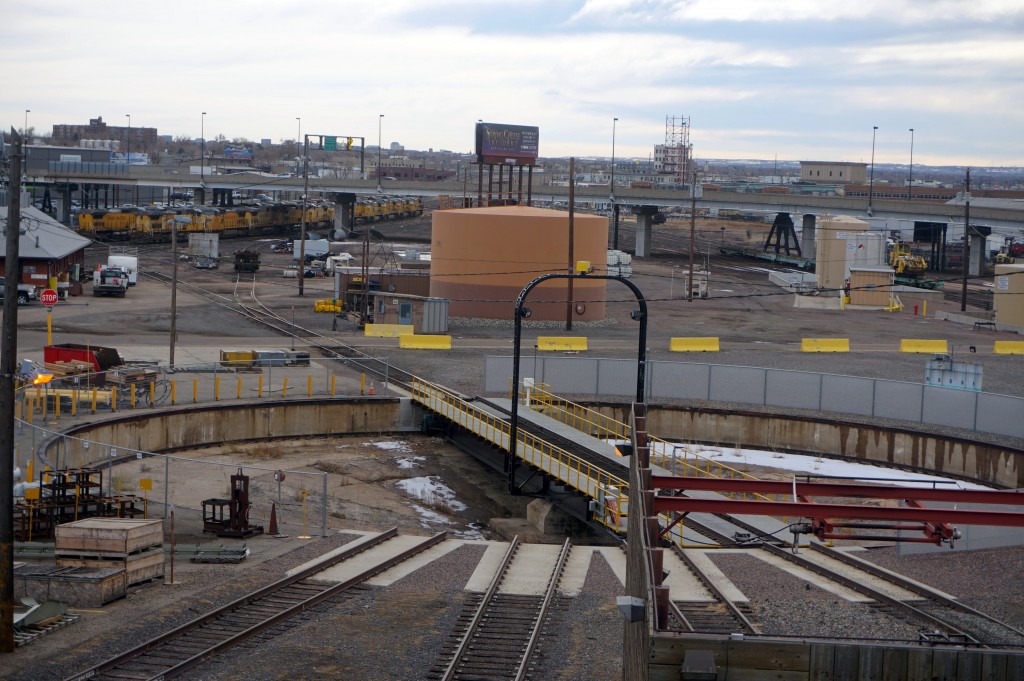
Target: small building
{"points": [[51, 255], [426, 315], [842, 242], [871, 286], [833, 172], [1008, 295]]}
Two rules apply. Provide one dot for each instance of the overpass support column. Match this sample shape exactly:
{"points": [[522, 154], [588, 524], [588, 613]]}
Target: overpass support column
{"points": [[344, 214], [807, 236], [644, 221]]}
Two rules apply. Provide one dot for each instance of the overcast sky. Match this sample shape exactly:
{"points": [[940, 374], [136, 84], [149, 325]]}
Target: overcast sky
{"points": [[792, 79]]}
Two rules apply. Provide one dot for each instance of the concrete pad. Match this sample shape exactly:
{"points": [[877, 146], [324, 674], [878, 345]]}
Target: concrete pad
{"points": [[422, 559], [487, 567], [576, 568], [683, 585], [309, 563], [875, 582], [616, 560], [717, 577], [363, 561], [815, 579], [531, 570]]}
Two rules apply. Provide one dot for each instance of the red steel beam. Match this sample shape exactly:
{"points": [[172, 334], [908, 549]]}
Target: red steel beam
{"points": [[833, 489], [788, 508]]}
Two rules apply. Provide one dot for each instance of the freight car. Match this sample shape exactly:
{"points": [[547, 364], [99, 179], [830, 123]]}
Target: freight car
{"points": [[381, 209]]}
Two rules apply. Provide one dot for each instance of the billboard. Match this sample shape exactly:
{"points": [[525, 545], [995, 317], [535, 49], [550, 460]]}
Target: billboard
{"points": [[507, 144]]}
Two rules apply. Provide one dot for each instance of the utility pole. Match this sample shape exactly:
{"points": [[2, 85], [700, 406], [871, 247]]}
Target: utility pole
{"points": [[967, 242], [174, 289], [302, 230], [8, 362], [693, 230], [572, 215]]}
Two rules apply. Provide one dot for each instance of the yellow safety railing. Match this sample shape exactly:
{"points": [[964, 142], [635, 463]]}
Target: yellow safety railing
{"points": [[607, 428], [563, 343], [570, 469]]}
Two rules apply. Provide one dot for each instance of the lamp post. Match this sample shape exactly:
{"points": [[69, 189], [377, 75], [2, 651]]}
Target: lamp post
{"points": [[910, 182], [128, 157], [871, 183], [611, 184], [202, 159], [298, 138], [615, 206], [380, 122], [25, 131], [521, 313]]}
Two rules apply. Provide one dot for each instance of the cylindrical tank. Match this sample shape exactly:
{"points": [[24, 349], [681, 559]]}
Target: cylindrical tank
{"points": [[482, 258]]}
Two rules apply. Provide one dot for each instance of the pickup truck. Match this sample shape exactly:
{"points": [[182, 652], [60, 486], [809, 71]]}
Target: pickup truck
{"points": [[26, 292], [110, 281]]}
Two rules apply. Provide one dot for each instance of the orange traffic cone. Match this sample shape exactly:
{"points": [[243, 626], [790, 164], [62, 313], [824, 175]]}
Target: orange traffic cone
{"points": [[273, 519], [371, 388]]}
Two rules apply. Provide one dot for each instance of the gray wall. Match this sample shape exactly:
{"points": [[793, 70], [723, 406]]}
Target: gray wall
{"points": [[873, 397]]}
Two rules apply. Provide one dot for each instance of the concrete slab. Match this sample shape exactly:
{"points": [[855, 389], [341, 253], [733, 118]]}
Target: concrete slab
{"points": [[683, 585], [616, 560], [330, 554], [576, 568], [717, 577], [815, 579], [360, 562], [487, 567], [410, 566], [531, 569]]}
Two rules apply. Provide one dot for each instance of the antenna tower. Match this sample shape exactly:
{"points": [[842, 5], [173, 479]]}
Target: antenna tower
{"points": [[677, 148]]}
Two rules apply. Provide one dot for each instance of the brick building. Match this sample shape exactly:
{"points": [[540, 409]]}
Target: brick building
{"points": [[68, 133]]}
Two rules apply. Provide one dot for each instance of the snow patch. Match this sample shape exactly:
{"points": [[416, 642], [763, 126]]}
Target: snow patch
{"points": [[430, 489]]}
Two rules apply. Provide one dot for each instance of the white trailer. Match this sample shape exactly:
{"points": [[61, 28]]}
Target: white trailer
{"points": [[128, 263]]}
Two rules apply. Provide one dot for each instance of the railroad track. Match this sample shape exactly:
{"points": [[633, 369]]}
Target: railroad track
{"points": [[260, 613], [948, 620], [497, 638]]}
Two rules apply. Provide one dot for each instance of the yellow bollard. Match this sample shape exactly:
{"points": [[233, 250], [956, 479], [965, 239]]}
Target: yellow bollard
{"points": [[94, 399], [56, 405], [305, 532], [28, 468], [216, 388], [46, 407], [362, 384], [74, 402], [152, 392], [173, 386], [46, 475], [924, 306], [113, 399], [239, 387], [77, 492], [309, 387], [332, 384], [259, 388], [31, 410], [131, 397], [284, 388], [195, 389]]}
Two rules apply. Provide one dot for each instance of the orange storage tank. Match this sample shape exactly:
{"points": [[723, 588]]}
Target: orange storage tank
{"points": [[481, 258]]}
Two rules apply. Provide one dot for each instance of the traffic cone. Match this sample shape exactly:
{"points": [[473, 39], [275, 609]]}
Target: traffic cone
{"points": [[273, 519], [371, 388]]}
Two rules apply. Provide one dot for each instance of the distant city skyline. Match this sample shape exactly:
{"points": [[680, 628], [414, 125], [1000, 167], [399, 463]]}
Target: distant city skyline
{"points": [[794, 79]]}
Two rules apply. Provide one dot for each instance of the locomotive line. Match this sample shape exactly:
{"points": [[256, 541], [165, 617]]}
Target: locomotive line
{"points": [[498, 640], [262, 612]]}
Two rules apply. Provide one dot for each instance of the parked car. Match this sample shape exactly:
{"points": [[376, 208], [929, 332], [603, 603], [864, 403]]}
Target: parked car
{"points": [[26, 292]]}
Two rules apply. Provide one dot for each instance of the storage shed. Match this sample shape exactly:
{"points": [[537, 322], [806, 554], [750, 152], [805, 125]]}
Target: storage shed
{"points": [[51, 255], [1008, 295], [425, 315], [483, 257], [871, 286]]}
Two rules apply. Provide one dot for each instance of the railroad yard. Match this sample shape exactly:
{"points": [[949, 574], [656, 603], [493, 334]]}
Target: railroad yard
{"points": [[406, 621]]}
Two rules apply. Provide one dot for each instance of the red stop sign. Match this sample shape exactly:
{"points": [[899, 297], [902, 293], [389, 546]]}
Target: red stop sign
{"points": [[48, 297]]}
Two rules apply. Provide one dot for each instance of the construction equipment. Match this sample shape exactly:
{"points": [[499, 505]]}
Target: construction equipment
{"points": [[1004, 259], [904, 262], [230, 517]]}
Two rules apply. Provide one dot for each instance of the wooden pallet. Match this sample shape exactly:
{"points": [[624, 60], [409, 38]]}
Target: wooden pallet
{"points": [[25, 635]]}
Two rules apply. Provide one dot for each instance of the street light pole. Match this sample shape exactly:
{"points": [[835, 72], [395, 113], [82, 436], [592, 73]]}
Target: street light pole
{"points": [[871, 184], [302, 227], [615, 206], [128, 157], [25, 131], [611, 185], [298, 138], [380, 122], [910, 182], [202, 160]]}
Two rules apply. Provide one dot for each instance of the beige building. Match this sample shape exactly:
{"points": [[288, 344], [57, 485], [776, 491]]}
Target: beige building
{"points": [[1008, 294], [832, 172], [841, 243], [482, 258], [871, 286]]}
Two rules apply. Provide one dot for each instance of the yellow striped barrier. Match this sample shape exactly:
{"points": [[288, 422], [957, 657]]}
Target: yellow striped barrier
{"points": [[388, 330], [925, 346], [825, 345], [563, 343], [425, 342], [694, 344], [1008, 348]]}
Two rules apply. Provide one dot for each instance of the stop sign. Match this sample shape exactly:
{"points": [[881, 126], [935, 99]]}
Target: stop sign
{"points": [[48, 297]]}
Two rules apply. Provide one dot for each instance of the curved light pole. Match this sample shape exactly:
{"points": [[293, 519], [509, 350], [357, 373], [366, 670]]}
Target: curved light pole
{"points": [[871, 184], [520, 313], [380, 122], [910, 182]]}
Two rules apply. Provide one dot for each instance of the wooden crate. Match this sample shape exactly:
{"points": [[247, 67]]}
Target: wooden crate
{"points": [[81, 587], [138, 567], [119, 536]]}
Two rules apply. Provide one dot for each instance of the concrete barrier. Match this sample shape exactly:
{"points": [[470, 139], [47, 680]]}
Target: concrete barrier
{"points": [[424, 342], [1008, 348], [825, 345], [388, 330], [926, 346], [694, 344], [564, 343]]}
